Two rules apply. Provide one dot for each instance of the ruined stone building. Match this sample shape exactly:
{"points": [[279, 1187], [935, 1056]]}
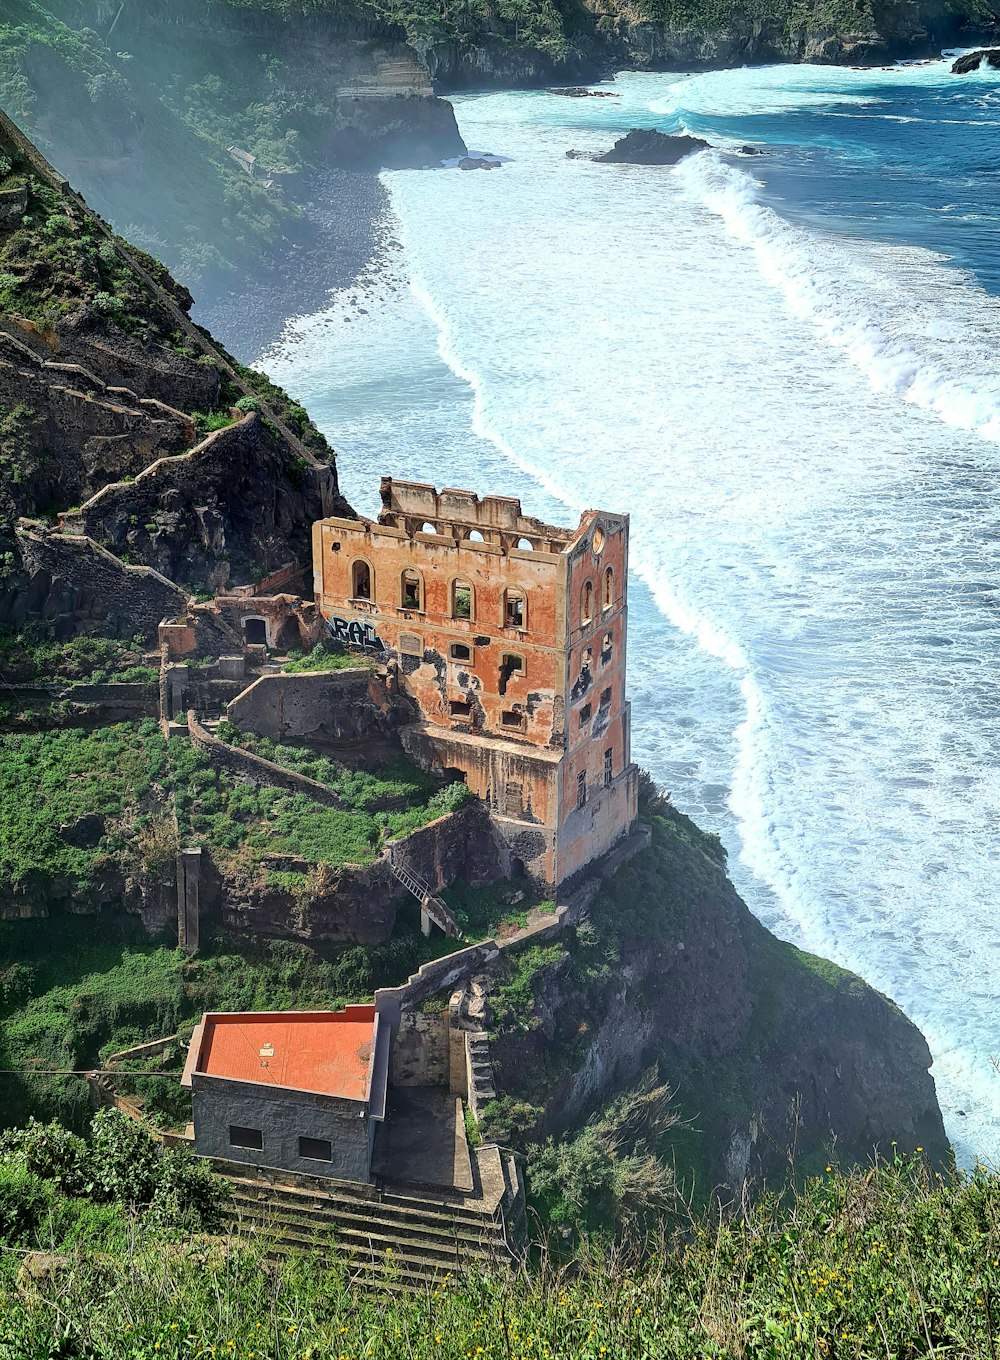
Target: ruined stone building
{"points": [[510, 635]]}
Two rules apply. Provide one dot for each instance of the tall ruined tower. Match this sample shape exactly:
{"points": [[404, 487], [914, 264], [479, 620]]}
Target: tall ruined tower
{"points": [[511, 635]]}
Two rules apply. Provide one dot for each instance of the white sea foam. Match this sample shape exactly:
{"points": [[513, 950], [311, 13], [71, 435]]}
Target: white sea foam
{"points": [[822, 284], [813, 626]]}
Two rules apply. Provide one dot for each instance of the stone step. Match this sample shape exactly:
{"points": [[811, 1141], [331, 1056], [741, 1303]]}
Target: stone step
{"points": [[375, 1242], [433, 1231], [401, 1205], [383, 1257]]}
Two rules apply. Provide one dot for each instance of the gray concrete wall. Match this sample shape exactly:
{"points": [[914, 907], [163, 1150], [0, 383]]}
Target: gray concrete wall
{"points": [[421, 1052], [283, 1118], [320, 705]]}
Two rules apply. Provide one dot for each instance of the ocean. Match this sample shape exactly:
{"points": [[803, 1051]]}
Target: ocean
{"points": [[784, 367]]}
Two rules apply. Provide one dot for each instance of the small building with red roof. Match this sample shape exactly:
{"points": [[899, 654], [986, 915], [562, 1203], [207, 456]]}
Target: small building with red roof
{"points": [[300, 1091]]}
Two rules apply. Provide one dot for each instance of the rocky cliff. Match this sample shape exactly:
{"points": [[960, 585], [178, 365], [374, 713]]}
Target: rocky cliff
{"points": [[775, 1057], [199, 128], [128, 439]]}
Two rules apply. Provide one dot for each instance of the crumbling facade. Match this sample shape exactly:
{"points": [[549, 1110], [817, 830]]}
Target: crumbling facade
{"points": [[510, 635]]}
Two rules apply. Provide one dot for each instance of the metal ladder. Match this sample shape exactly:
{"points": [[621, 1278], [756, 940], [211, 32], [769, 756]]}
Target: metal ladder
{"points": [[431, 906]]}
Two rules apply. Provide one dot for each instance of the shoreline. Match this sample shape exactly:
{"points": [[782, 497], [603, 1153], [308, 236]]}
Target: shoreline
{"points": [[345, 238]]}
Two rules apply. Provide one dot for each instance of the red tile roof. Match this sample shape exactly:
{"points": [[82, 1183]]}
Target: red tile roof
{"points": [[327, 1052]]}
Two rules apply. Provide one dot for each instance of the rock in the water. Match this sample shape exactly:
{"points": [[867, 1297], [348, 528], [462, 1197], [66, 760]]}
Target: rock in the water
{"points": [[478, 163], [749, 151], [972, 61], [646, 146], [581, 92]]}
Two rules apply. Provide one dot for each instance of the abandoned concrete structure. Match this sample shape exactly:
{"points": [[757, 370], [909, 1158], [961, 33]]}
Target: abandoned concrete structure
{"points": [[510, 635], [298, 1091]]}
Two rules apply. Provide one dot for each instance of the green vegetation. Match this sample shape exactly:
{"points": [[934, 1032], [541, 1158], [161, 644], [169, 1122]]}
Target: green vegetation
{"points": [[886, 1262], [323, 659], [50, 780], [26, 657], [242, 823], [57, 1190], [74, 990]]}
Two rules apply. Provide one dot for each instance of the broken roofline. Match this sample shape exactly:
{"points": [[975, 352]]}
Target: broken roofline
{"points": [[466, 510]]}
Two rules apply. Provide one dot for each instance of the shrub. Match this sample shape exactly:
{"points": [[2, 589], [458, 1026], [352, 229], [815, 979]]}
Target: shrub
{"points": [[246, 404], [124, 1159], [50, 1152], [109, 303], [24, 1202]]}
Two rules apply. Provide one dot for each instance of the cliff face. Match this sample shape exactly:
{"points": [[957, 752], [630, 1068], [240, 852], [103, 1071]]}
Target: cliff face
{"points": [[587, 39], [774, 1056], [128, 439], [139, 104]]}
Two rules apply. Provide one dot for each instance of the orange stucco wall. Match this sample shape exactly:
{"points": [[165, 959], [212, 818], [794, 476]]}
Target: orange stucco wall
{"points": [[566, 697]]}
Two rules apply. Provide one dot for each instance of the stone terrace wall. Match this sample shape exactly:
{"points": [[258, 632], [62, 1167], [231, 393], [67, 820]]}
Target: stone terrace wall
{"points": [[362, 900], [255, 769], [77, 586]]}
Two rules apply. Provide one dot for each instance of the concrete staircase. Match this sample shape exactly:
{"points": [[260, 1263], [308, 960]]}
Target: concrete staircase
{"points": [[391, 1237], [481, 1088]]}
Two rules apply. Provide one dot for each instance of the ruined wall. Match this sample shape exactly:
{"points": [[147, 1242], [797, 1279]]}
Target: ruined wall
{"points": [[359, 902], [324, 706]]}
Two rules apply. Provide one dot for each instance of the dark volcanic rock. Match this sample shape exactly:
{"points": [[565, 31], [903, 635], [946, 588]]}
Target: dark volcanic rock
{"points": [[749, 151], [646, 146], [972, 61], [478, 163], [581, 92]]}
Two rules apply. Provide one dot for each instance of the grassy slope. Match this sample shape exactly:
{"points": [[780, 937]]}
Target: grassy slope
{"points": [[894, 1262]]}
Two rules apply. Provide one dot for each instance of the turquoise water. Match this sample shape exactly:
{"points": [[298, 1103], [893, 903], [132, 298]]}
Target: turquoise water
{"points": [[784, 368]]}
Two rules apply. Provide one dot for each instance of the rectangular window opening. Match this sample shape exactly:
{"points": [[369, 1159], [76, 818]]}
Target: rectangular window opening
{"points": [[246, 1138], [510, 717], [459, 652], [609, 764], [463, 602], [515, 611], [316, 1149], [581, 789], [512, 664], [410, 644], [606, 697], [460, 708], [585, 713]]}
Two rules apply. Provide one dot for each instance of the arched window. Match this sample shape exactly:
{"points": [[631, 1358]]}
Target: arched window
{"points": [[526, 544], [587, 601], [462, 600], [411, 590], [609, 588], [428, 528], [606, 647], [475, 536], [514, 611], [362, 580]]}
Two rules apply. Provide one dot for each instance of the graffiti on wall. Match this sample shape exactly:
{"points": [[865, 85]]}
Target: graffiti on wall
{"points": [[355, 633]]}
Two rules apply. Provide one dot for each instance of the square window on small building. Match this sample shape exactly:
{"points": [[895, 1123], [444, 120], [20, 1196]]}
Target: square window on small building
{"points": [[585, 713], [316, 1149], [581, 789], [246, 1138], [512, 664], [459, 652], [511, 717], [460, 708]]}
